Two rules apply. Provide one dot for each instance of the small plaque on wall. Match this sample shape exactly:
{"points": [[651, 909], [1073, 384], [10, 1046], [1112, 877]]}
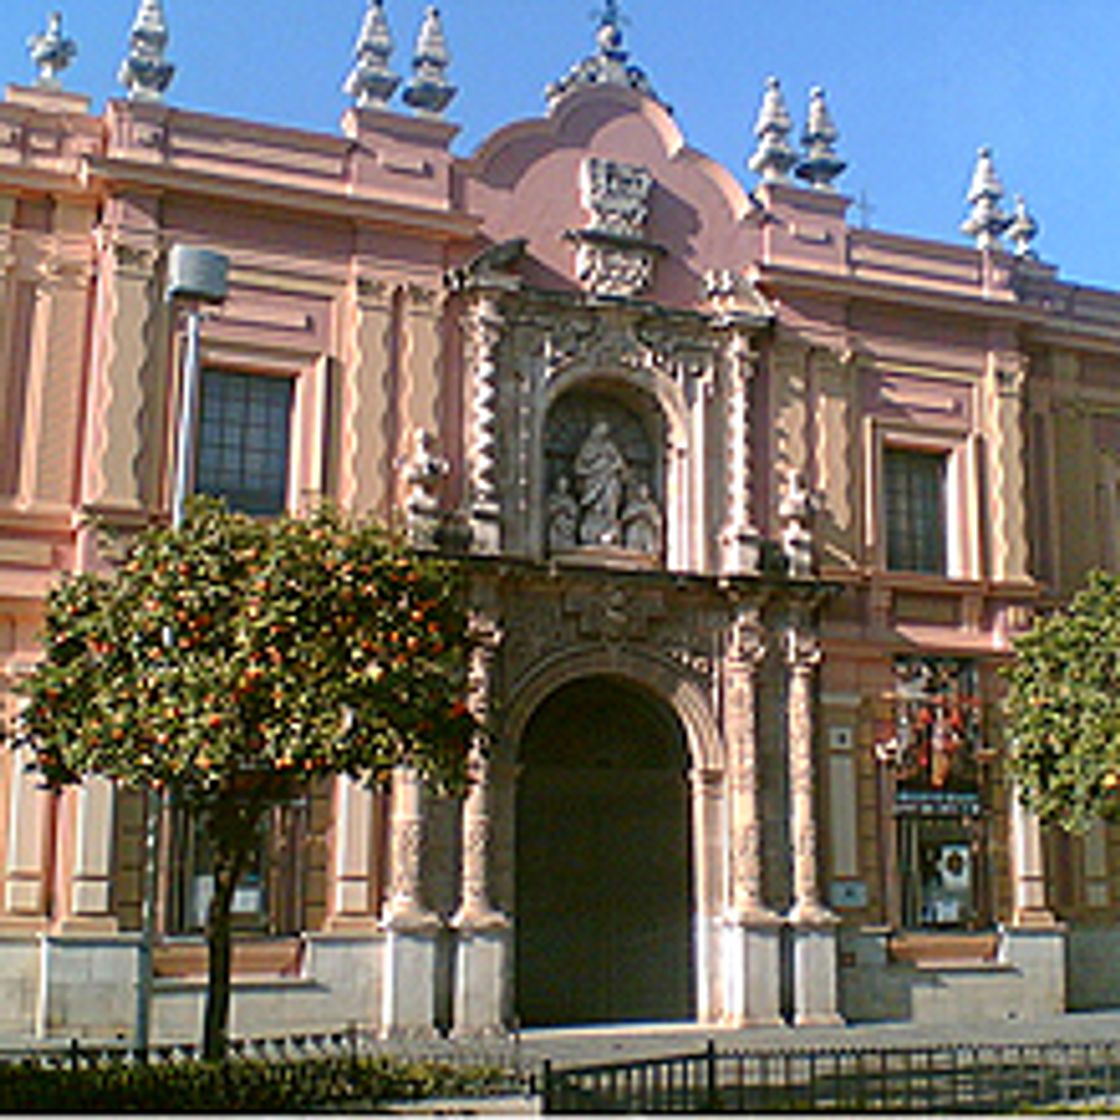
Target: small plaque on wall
{"points": [[848, 894]]}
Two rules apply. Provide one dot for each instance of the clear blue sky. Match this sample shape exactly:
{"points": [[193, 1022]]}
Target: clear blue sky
{"points": [[915, 85]]}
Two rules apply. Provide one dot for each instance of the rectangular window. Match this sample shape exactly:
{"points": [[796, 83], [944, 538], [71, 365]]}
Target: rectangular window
{"points": [[243, 438], [914, 489], [269, 895]]}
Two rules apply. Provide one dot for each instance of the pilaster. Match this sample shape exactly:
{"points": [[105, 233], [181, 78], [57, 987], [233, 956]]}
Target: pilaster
{"points": [[353, 904], [1030, 907], [86, 879], [367, 395], [1007, 484], [420, 366], [129, 362], [55, 369]]}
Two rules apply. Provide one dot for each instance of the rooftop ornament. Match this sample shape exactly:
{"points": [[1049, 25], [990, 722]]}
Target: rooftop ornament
{"points": [[52, 52], [821, 163], [145, 72], [773, 158], [1023, 230], [986, 222], [428, 91], [607, 67], [371, 83]]}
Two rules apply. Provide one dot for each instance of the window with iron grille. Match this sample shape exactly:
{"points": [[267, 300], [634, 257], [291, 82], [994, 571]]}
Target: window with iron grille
{"points": [[914, 484], [243, 440]]}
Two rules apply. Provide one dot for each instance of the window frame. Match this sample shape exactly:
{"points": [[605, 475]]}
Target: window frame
{"points": [[964, 530], [212, 371]]}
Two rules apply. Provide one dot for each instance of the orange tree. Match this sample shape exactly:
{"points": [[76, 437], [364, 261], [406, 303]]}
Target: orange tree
{"points": [[1062, 709], [233, 660]]}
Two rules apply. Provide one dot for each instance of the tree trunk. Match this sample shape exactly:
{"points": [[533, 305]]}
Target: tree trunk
{"points": [[219, 953], [227, 869]]}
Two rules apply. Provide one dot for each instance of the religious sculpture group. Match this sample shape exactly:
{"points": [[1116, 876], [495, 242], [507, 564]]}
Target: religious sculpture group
{"points": [[609, 507]]}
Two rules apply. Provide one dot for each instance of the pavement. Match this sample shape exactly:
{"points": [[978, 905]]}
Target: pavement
{"points": [[589, 1045]]}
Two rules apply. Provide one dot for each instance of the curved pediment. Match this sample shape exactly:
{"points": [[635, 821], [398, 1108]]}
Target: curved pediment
{"points": [[675, 215]]}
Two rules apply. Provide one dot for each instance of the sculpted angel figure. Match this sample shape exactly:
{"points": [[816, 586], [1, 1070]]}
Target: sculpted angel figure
{"points": [[563, 516]]}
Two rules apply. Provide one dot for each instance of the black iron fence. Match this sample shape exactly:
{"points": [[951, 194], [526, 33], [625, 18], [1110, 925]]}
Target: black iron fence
{"points": [[945, 1078]]}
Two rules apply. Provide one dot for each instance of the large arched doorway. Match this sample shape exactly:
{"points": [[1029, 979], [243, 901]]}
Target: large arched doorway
{"points": [[603, 860]]}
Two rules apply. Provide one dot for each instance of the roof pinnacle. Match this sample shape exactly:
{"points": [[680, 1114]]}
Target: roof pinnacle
{"points": [[608, 66], [428, 91], [986, 221], [145, 73], [1023, 229], [773, 157], [821, 163], [52, 52], [371, 83]]}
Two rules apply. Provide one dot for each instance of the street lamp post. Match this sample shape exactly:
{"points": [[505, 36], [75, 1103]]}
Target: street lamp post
{"points": [[195, 277]]}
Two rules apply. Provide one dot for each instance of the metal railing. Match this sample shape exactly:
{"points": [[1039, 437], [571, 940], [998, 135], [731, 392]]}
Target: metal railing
{"points": [[943, 1078]]}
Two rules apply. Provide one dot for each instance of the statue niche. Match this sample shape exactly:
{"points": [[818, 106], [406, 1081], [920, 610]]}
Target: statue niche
{"points": [[602, 481]]}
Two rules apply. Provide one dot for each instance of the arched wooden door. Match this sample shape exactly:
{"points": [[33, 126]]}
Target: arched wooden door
{"points": [[603, 860]]}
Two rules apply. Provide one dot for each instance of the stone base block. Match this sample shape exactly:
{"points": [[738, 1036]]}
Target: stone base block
{"points": [[482, 981], [409, 977], [815, 1001], [753, 969]]}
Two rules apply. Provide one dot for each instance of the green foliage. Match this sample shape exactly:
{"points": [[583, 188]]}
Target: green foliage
{"points": [[240, 657], [1063, 709], [242, 1085]]}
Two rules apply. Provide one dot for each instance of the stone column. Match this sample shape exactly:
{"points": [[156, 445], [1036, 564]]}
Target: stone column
{"points": [[482, 957], [741, 540], [753, 931], [812, 925], [484, 333], [408, 982]]}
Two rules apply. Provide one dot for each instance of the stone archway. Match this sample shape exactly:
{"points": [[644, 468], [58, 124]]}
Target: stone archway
{"points": [[604, 898]]}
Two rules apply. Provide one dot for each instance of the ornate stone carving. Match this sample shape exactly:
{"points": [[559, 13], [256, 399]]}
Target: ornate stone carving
{"points": [[426, 472], [796, 511], [371, 83], [608, 66], [484, 334], [612, 270], [615, 615], [612, 259], [145, 72], [617, 196], [51, 52], [803, 654], [602, 500], [746, 649]]}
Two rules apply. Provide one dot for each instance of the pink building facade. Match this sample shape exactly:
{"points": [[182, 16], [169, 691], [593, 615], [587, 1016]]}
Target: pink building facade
{"points": [[754, 502]]}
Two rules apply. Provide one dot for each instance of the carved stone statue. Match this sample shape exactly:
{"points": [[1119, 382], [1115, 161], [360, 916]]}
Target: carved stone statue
{"points": [[600, 473], [563, 517], [796, 513], [426, 470], [642, 523]]}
